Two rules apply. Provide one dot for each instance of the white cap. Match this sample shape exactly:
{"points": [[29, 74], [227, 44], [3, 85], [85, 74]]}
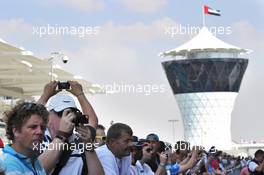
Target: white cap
{"points": [[61, 102]]}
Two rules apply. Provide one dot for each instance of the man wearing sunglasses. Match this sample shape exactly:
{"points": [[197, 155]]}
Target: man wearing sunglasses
{"points": [[60, 132], [25, 126], [142, 168], [100, 137], [153, 141]]}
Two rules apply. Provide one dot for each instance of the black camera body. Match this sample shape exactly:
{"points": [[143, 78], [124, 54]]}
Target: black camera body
{"points": [[80, 118], [63, 85]]}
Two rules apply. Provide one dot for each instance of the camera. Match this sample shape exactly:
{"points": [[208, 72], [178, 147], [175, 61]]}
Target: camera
{"points": [[80, 118], [65, 59], [63, 85]]}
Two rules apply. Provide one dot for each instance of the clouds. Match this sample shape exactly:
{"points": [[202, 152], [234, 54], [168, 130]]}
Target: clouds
{"points": [[79, 5], [138, 6], [125, 50], [104, 63], [260, 2], [14, 29], [85, 5], [249, 100], [129, 47], [110, 31], [144, 6], [136, 32], [248, 35]]}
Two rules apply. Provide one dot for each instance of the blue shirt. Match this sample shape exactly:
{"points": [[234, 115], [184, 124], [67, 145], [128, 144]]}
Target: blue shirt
{"points": [[16, 163], [173, 169]]}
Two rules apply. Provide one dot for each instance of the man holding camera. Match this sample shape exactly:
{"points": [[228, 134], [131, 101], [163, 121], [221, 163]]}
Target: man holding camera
{"points": [[63, 119]]}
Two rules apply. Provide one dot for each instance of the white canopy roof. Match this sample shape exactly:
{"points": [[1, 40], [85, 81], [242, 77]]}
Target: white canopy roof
{"points": [[204, 41], [24, 76]]}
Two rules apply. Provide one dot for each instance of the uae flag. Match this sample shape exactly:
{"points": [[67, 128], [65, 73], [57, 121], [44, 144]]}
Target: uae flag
{"points": [[210, 11]]}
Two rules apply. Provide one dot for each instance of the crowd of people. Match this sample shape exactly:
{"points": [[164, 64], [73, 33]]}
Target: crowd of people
{"points": [[62, 139]]}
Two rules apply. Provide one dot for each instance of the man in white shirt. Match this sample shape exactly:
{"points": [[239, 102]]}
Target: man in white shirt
{"points": [[71, 160], [256, 166], [115, 154], [143, 168]]}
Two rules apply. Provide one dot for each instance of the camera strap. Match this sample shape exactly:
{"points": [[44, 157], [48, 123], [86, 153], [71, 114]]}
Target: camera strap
{"points": [[84, 168], [62, 161], [65, 156]]}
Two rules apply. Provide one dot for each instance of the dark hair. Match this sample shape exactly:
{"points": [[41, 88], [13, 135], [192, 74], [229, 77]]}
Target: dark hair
{"points": [[259, 152], [19, 115], [218, 153], [99, 126], [115, 131]]}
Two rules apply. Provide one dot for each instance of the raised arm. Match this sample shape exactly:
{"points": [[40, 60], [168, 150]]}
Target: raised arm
{"points": [[77, 90], [191, 162], [48, 91]]}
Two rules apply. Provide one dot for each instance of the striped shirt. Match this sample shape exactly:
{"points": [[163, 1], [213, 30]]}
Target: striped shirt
{"points": [[75, 163]]}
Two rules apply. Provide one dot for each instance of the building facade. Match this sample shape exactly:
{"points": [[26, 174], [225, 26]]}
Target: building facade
{"points": [[205, 81]]}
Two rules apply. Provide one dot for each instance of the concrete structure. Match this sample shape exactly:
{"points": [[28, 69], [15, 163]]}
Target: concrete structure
{"points": [[205, 77], [22, 75]]}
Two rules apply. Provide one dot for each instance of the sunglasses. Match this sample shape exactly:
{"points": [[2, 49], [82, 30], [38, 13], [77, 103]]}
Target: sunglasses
{"points": [[61, 112], [103, 138], [28, 105], [148, 150]]}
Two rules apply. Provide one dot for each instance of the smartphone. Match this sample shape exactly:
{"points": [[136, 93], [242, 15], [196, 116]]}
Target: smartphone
{"points": [[63, 85]]}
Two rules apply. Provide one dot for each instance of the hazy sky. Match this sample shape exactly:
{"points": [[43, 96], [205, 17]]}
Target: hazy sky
{"points": [[121, 45]]}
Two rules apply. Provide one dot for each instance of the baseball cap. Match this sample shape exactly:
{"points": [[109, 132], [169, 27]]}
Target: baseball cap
{"points": [[61, 102], [152, 137], [134, 140], [137, 142]]}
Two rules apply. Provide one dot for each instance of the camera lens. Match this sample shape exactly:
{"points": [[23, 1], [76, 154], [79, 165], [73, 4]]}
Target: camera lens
{"points": [[80, 118]]}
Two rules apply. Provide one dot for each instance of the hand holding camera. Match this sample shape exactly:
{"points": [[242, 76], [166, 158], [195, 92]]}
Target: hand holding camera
{"points": [[163, 158], [71, 119], [80, 118], [71, 86], [66, 124]]}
